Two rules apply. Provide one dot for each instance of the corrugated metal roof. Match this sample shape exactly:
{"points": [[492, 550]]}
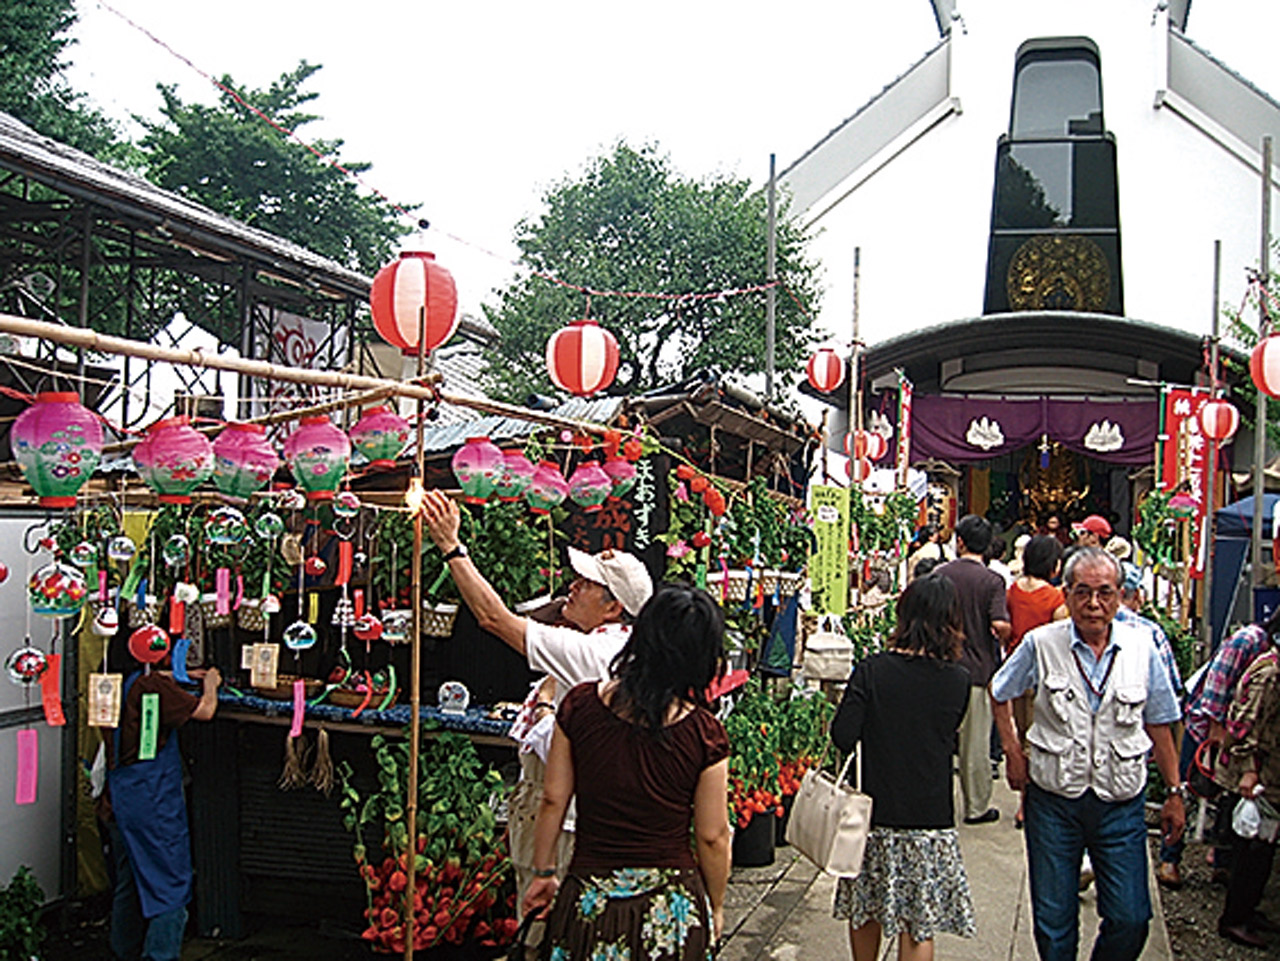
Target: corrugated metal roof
{"points": [[442, 437], [76, 173]]}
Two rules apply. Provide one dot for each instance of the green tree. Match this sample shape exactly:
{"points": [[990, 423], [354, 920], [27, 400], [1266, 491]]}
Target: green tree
{"points": [[231, 160], [33, 41], [631, 223]]}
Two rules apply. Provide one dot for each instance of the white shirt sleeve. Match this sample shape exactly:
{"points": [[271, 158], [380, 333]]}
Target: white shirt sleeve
{"points": [[569, 655]]}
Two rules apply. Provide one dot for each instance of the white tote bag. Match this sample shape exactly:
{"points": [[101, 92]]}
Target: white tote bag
{"points": [[830, 821]]}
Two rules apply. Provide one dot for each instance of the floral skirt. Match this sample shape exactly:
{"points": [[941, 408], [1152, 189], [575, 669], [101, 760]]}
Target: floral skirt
{"points": [[911, 880], [630, 914]]}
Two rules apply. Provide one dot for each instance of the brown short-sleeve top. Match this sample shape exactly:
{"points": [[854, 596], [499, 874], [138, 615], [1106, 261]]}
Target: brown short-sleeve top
{"points": [[634, 790]]}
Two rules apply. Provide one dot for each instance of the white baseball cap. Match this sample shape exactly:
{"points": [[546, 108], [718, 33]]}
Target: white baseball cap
{"points": [[623, 574]]}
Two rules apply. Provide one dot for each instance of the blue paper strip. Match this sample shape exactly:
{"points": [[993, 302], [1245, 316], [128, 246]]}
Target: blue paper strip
{"points": [[180, 645]]}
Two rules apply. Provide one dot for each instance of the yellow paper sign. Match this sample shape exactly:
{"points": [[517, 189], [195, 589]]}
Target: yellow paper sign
{"points": [[829, 566]]}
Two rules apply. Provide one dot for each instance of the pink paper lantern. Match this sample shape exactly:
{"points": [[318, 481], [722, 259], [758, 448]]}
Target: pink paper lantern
{"points": [[547, 489], [402, 290], [517, 474], [589, 486], [57, 442], [622, 473], [582, 358], [826, 370], [478, 465], [381, 435], [1264, 366], [174, 459], [318, 454], [1219, 420], [243, 460]]}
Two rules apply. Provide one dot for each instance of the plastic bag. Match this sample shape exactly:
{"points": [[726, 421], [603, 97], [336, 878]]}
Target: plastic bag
{"points": [[1246, 819]]}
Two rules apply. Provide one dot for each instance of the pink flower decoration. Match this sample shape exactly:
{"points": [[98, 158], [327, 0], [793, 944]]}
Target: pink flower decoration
{"points": [[678, 549], [682, 492]]}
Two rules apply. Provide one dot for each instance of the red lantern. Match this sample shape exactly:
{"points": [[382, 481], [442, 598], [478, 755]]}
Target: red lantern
{"points": [[1264, 366], [866, 444], [826, 370], [858, 469], [582, 358], [1219, 420], [402, 289]]}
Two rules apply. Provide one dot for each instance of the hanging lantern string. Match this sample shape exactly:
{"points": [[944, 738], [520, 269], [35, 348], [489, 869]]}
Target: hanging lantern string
{"points": [[404, 212]]}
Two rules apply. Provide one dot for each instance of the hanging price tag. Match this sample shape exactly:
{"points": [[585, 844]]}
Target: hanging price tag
{"points": [[51, 691], [266, 657], [28, 767], [149, 731], [246, 657], [299, 706], [104, 699]]}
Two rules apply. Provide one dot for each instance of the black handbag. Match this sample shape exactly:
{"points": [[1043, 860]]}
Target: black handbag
{"points": [[1200, 775], [515, 951]]}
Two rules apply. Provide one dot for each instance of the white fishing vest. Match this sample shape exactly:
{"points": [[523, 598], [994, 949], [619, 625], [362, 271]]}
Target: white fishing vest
{"points": [[1072, 748]]}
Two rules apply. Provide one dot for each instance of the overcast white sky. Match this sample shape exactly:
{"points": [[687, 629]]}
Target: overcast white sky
{"points": [[474, 108]]}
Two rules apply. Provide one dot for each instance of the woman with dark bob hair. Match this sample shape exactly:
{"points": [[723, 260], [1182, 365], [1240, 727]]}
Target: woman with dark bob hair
{"points": [[905, 705], [645, 758]]}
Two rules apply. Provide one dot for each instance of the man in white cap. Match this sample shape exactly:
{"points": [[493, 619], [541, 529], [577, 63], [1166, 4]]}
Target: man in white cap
{"points": [[610, 589]]}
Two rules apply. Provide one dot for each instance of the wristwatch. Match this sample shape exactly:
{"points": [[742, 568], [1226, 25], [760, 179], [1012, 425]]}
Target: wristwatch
{"points": [[544, 872], [1176, 790], [458, 551]]}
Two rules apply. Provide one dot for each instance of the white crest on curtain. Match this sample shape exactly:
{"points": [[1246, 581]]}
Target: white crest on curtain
{"points": [[1104, 437], [984, 433]]}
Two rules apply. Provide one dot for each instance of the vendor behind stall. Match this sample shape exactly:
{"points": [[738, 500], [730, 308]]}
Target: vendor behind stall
{"points": [[593, 626], [146, 809]]}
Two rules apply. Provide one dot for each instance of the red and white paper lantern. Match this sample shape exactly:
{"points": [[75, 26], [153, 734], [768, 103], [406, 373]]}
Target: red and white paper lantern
{"points": [[866, 444], [826, 370], [582, 358], [1219, 420], [1264, 366], [405, 287], [858, 469]]}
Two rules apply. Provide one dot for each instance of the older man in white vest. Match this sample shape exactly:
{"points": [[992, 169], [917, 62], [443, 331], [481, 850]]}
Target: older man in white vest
{"points": [[1103, 703]]}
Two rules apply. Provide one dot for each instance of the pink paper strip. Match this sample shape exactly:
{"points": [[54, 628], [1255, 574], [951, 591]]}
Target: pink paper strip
{"points": [[222, 580], [235, 605], [28, 766], [299, 707], [102, 586]]}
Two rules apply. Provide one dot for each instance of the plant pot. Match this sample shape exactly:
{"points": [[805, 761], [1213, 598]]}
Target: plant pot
{"points": [[734, 590], [789, 582], [437, 619], [249, 616], [770, 579], [780, 829], [753, 845], [142, 616], [209, 610]]}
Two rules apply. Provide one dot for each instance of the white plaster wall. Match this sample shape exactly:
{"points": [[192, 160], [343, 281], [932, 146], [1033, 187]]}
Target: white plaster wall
{"points": [[922, 222]]}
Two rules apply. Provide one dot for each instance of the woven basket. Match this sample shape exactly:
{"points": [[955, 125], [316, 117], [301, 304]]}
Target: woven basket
{"points": [[770, 579], [437, 620], [737, 589], [250, 616], [142, 616], [209, 608], [283, 691], [789, 582], [351, 699]]}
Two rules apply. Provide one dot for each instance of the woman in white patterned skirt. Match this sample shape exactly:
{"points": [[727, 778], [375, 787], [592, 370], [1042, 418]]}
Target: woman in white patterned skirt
{"points": [[905, 705]]}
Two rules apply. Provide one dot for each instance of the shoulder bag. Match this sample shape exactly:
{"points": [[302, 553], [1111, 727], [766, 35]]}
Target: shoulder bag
{"points": [[830, 821]]}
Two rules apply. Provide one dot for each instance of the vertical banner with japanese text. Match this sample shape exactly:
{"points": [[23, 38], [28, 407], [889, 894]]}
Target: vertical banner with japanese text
{"points": [[902, 460], [1184, 459], [829, 566]]}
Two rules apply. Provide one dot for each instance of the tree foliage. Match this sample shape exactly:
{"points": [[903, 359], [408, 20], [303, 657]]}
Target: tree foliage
{"points": [[33, 42], [231, 160], [631, 223]]}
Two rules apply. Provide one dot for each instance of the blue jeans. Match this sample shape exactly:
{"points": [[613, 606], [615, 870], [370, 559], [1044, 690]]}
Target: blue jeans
{"points": [[134, 937], [1058, 831]]}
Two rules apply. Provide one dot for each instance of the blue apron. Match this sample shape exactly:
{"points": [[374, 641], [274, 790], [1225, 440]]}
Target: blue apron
{"points": [[151, 811]]}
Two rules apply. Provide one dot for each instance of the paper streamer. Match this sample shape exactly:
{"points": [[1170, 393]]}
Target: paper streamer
{"points": [[357, 602], [149, 733], [177, 616], [222, 582], [299, 707], [180, 647], [28, 766], [235, 605], [346, 554], [368, 696], [313, 608], [51, 691], [140, 598], [102, 586]]}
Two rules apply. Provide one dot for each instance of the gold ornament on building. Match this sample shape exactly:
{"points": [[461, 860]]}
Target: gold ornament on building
{"points": [[1059, 272]]}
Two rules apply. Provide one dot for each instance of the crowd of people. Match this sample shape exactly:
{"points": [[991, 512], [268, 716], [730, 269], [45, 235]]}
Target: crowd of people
{"points": [[619, 830]]}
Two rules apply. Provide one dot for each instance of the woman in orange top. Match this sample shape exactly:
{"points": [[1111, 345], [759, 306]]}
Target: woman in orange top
{"points": [[1032, 602]]}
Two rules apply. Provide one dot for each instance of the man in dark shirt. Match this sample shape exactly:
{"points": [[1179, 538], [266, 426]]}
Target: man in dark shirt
{"points": [[986, 627]]}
